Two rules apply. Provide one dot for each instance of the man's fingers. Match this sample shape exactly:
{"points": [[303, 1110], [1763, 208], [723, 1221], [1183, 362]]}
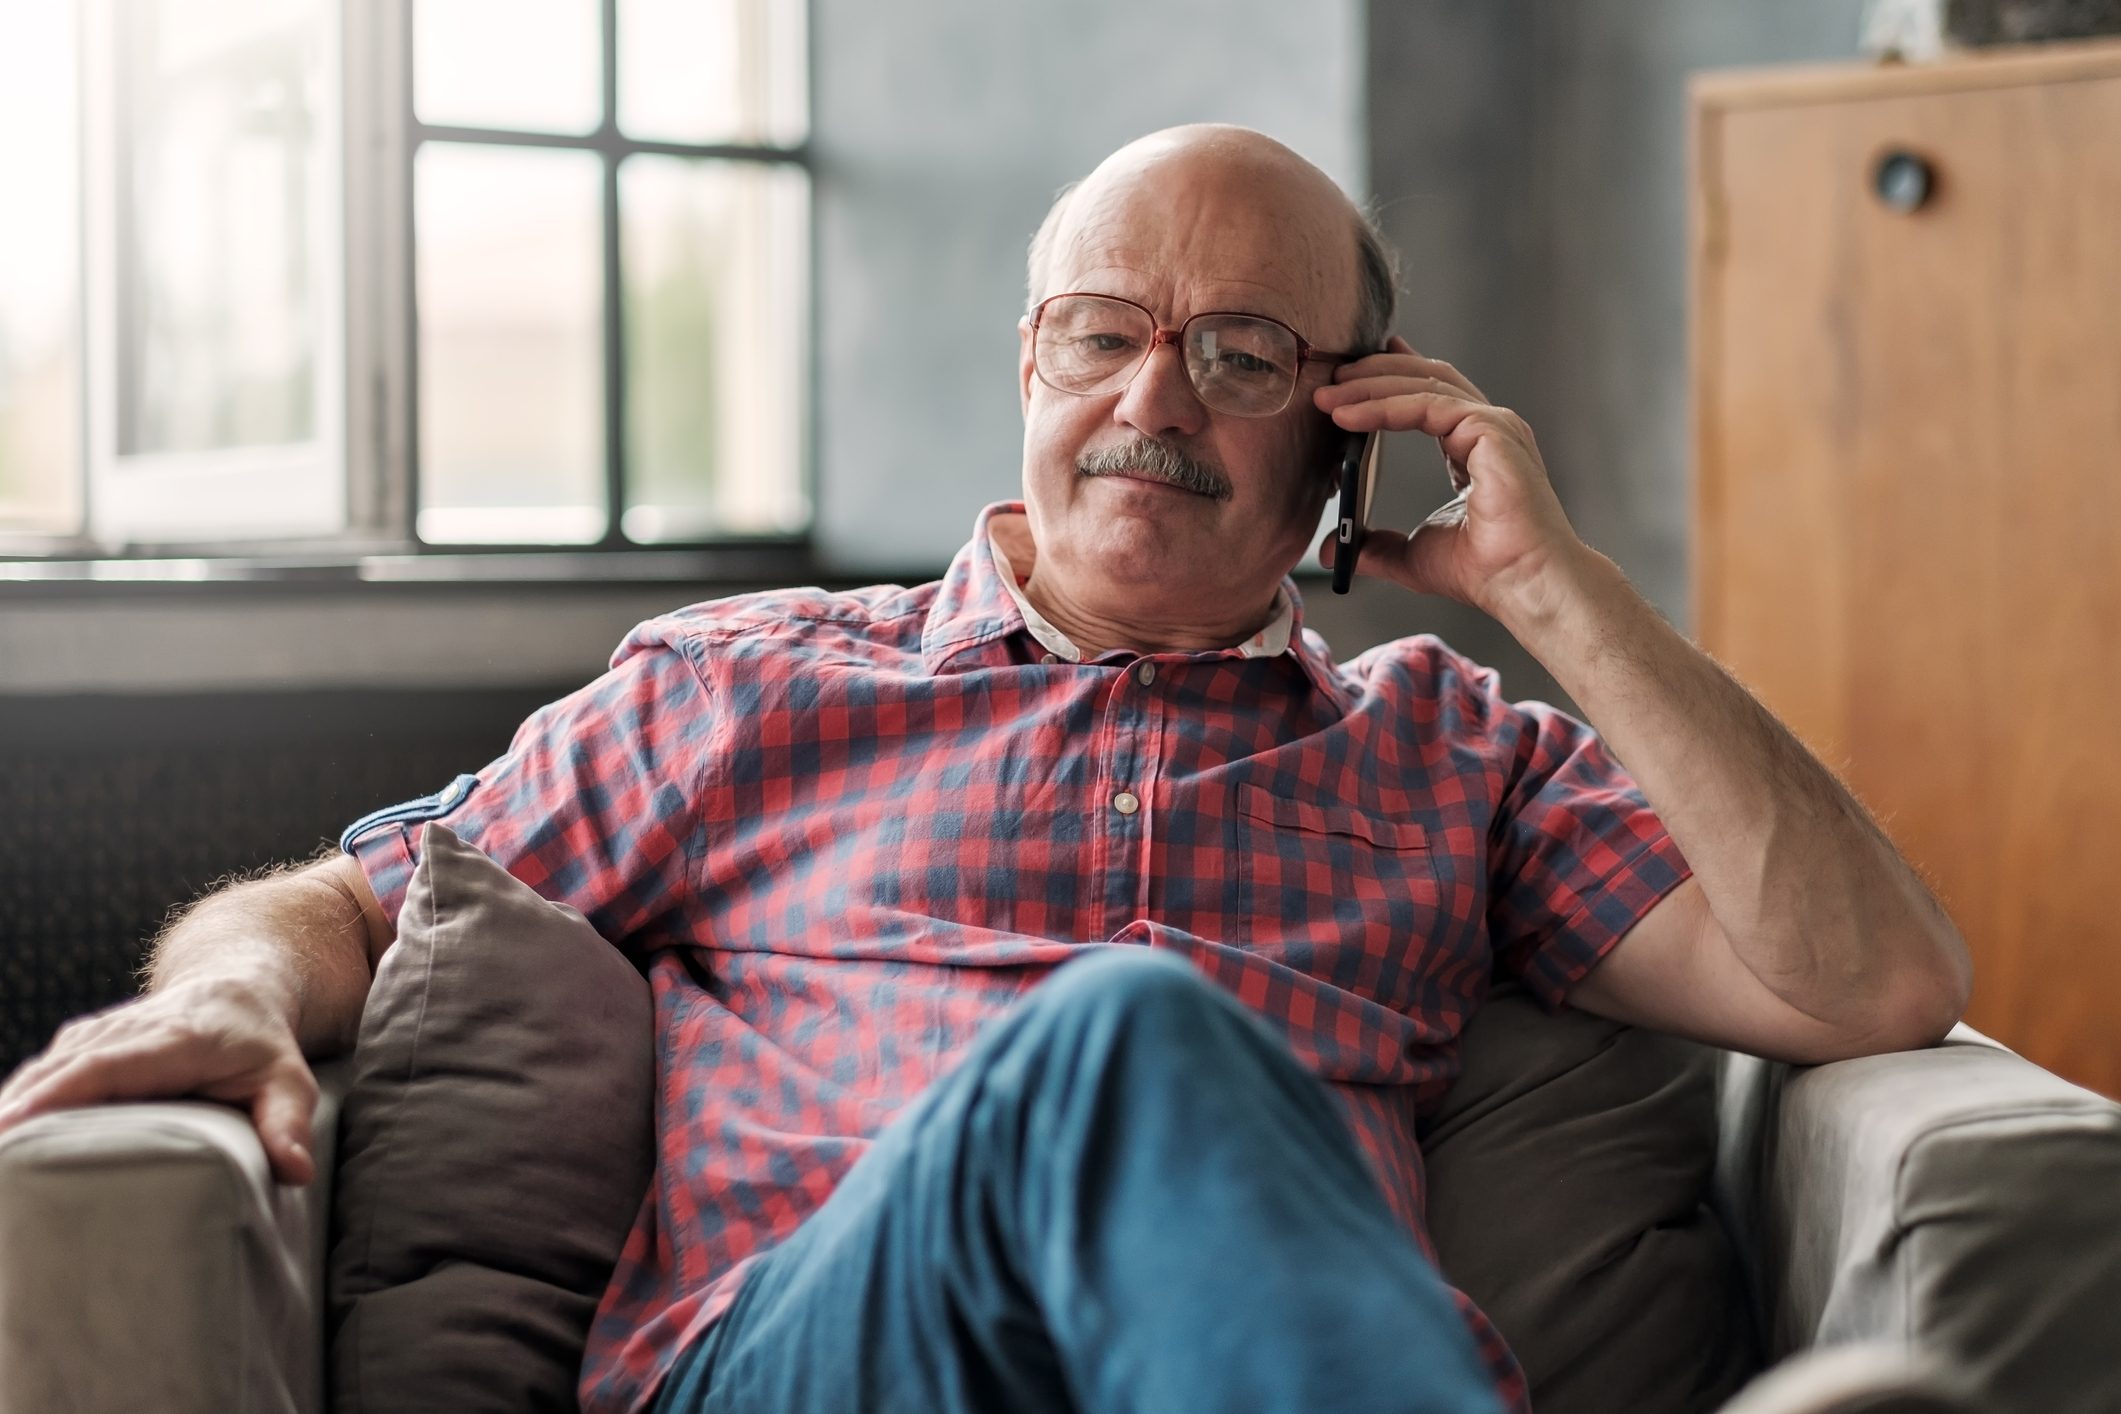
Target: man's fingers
{"points": [[1382, 555], [80, 1078], [158, 1059], [1432, 412], [1379, 385], [25, 1091], [1446, 371], [1401, 358], [1456, 422], [282, 1112], [75, 1039], [121, 1071], [222, 1041], [282, 1098]]}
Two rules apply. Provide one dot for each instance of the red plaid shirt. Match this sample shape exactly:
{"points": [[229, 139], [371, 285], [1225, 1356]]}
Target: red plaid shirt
{"points": [[845, 831]]}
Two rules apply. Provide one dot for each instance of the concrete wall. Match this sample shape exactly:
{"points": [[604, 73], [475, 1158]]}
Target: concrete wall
{"points": [[1531, 157]]}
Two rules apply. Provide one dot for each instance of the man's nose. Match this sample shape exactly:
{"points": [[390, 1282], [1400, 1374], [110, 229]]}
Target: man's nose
{"points": [[1161, 398]]}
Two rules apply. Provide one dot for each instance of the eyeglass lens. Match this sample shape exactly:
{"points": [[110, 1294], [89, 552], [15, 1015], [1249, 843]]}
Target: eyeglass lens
{"points": [[1237, 363]]}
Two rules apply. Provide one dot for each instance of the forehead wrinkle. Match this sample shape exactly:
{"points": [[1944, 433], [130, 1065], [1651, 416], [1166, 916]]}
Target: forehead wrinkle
{"points": [[1192, 263], [1219, 294]]}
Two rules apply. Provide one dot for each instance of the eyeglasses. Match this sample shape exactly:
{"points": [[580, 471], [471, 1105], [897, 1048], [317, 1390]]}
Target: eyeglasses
{"points": [[1242, 364]]}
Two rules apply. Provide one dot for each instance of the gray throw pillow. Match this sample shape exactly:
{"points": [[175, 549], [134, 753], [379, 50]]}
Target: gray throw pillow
{"points": [[1569, 1173], [495, 1147]]}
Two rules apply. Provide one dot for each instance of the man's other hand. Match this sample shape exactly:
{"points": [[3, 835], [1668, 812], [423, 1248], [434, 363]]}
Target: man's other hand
{"points": [[1505, 527], [219, 1037]]}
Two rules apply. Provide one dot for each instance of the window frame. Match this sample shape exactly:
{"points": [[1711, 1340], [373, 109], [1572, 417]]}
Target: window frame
{"points": [[288, 490], [376, 137], [612, 148]]}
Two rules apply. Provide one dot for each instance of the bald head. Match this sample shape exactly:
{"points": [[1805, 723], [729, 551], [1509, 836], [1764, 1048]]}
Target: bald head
{"points": [[1225, 168]]}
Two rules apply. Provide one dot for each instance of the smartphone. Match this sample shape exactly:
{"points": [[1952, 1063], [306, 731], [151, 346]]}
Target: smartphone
{"points": [[1358, 482]]}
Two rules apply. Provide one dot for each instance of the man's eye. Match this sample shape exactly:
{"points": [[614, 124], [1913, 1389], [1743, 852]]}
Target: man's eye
{"points": [[1101, 343], [1239, 362]]}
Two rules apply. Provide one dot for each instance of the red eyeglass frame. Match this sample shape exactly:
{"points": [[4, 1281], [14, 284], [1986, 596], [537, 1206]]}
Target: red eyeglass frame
{"points": [[1306, 351]]}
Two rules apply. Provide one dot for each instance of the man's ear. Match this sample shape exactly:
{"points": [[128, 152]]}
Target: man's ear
{"points": [[1323, 489], [1024, 374]]}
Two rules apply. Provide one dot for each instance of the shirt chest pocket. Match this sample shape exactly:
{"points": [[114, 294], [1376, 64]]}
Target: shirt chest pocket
{"points": [[1342, 893]]}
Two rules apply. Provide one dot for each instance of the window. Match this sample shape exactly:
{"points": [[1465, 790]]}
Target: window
{"points": [[40, 352], [453, 272], [211, 313]]}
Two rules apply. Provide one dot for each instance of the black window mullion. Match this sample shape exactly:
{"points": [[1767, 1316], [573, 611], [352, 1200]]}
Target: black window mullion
{"points": [[614, 293], [409, 116], [611, 141]]}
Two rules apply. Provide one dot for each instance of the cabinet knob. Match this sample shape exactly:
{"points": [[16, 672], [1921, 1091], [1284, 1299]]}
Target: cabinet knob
{"points": [[1904, 180]]}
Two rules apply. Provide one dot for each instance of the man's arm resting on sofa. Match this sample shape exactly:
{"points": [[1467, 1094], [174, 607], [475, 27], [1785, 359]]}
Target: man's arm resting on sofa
{"points": [[246, 983]]}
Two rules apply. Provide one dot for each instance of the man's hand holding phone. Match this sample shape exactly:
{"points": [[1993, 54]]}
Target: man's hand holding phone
{"points": [[1495, 539]]}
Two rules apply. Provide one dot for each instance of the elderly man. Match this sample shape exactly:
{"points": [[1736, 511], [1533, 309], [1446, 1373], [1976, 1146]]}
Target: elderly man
{"points": [[1051, 961]]}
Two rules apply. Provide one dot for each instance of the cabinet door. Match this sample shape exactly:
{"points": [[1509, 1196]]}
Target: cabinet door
{"points": [[1909, 502]]}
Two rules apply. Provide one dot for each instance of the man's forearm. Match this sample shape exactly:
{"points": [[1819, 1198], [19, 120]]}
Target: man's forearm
{"points": [[294, 936], [1812, 895]]}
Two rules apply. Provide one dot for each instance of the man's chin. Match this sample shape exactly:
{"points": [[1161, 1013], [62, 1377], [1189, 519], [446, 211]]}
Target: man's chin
{"points": [[1145, 545]]}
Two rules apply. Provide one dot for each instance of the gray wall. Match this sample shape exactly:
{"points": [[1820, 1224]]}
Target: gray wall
{"points": [[1531, 158], [943, 130]]}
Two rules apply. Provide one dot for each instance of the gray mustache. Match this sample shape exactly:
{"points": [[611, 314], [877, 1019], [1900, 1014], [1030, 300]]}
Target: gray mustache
{"points": [[1159, 461]]}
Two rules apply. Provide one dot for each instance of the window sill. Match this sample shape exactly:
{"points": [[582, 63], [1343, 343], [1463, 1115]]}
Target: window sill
{"points": [[738, 566], [438, 621]]}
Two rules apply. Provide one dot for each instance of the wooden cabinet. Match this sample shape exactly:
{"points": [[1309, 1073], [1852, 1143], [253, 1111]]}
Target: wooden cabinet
{"points": [[1907, 483]]}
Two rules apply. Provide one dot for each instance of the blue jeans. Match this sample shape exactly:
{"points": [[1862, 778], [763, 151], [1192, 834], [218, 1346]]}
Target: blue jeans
{"points": [[1129, 1196]]}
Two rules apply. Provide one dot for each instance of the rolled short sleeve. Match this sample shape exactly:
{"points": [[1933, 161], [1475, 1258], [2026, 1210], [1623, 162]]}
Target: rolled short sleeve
{"points": [[1576, 856], [595, 803]]}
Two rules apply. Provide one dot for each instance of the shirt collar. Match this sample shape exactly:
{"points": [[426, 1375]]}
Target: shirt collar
{"points": [[980, 603]]}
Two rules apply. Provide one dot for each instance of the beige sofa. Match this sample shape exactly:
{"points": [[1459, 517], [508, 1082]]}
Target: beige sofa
{"points": [[1958, 1210]]}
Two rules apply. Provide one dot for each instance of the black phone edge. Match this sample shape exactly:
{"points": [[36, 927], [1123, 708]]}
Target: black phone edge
{"points": [[1348, 529]]}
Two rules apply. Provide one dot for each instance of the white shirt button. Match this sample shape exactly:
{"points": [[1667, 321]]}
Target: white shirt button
{"points": [[1146, 673], [1050, 658], [1126, 803]]}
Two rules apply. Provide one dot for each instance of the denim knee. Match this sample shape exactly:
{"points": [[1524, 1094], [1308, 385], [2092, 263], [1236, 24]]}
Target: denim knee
{"points": [[1124, 975], [1130, 988]]}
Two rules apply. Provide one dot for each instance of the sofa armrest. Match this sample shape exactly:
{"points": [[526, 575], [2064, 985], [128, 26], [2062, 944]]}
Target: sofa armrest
{"points": [[149, 1261], [1959, 1200]]}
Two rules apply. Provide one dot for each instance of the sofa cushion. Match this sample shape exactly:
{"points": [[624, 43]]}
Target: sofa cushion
{"points": [[496, 1144], [1569, 1171]]}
